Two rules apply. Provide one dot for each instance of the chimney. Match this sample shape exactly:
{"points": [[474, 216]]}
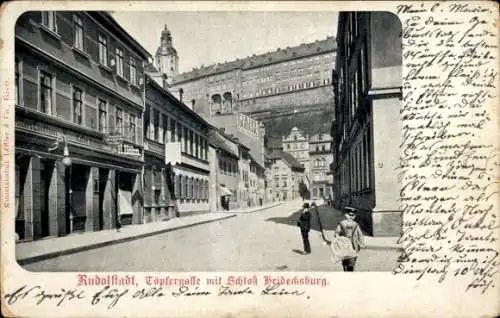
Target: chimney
{"points": [[181, 92]]}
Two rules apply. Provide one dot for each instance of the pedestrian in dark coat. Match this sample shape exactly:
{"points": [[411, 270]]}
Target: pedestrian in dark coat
{"points": [[305, 226]]}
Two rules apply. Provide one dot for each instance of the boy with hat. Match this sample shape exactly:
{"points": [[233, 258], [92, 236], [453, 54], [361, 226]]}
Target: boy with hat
{"points": [[350, 229]]}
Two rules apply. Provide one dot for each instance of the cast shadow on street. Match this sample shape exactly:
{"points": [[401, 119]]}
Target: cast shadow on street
{"points": [[329, 218]]}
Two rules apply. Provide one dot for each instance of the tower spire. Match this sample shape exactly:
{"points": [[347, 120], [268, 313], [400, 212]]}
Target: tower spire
{"points": [[166, 58]]}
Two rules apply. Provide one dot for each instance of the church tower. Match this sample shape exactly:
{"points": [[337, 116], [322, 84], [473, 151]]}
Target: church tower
{"points": [[166, 59]]}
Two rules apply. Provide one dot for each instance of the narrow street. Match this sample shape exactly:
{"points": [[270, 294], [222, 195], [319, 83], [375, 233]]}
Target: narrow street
{"points": [[267, 240]]}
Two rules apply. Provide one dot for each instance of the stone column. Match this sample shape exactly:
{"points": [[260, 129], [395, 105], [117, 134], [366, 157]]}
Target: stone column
{"points": [[57, 200], [31, 193], [92, 201], [109, 204]]}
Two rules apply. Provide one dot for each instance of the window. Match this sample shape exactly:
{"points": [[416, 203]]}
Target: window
{"points": [[49, 20], [177, 188], [119, 61], [199, 186], [179, 132], [191, 142], [18, 82], [132, 128], [172, 129], [185, 136], [206, 150], [183, 186], [133, 72], [156, 124], [164, 120], [323, 148], [191, 188], [102, 115], [78, 35], [103, 50], [197, 145], [119, 121], [46, 101], [77, 106]]}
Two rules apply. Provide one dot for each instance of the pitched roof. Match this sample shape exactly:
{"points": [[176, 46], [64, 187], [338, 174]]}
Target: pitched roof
{"points": [[221, 142], [277, 56], [286, 157], [291, 161]]}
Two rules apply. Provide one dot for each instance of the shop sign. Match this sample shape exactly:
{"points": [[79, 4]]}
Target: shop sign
{"points": [[54, 131], [114, 147], [128, 150]]}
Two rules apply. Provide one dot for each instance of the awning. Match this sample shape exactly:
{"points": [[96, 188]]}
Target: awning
{"points": [[225, 191]]}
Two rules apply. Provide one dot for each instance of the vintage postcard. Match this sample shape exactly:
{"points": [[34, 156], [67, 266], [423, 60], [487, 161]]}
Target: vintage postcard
{"points": [[249, 159]]}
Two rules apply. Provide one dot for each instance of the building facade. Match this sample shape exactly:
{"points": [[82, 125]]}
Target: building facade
{"points": [[248, 131], [79, 107], [284, 176], [293, 76], [368, 89], [320, 158], [257, 184], [296, 143], [244, 175], [225, 172], [174, 135]]}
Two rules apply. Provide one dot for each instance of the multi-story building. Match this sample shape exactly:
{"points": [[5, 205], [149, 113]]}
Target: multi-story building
{"points": [[174, 134], [294, 76], [320, 158], [368, 83], [249, 132], [79, 106], [244, 175], [224, 172], [284, 176], [296, 143], [257, 183]]}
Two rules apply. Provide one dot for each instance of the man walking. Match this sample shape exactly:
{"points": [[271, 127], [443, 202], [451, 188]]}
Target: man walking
{"points": [[305, 225]]}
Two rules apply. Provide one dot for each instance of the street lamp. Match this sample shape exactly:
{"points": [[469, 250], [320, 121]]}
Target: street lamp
{"points": [[66, 160]]}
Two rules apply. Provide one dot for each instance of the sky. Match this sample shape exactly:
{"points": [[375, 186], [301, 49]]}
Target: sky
{"points": [[204, 38]]}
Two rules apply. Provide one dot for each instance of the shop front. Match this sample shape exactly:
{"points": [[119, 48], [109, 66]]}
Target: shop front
{"points": [[68, 183]]}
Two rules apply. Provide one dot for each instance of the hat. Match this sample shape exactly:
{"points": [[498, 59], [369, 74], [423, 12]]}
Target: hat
{"points": [[349, 209], [305, 205]]}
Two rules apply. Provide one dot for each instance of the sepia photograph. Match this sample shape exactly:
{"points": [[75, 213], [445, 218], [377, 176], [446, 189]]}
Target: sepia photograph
{"points": [[207, 141]]}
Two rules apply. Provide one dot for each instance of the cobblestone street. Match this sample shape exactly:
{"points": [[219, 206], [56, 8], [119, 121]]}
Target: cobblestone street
{"points": [[267, 240]]}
